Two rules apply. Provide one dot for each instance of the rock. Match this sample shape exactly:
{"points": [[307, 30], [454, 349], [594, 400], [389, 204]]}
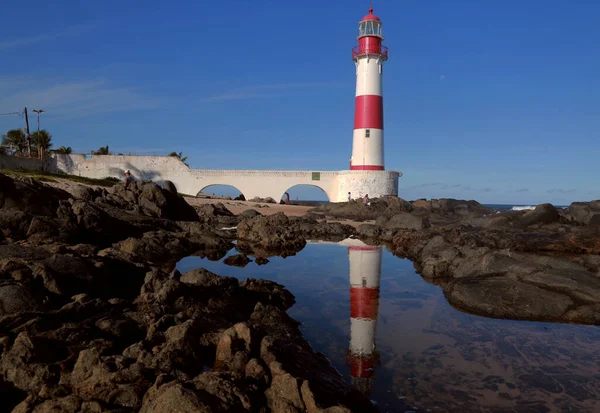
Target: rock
{"points": [[170, 187], [269, 292], [29, 196], [14, 223], [261, 261], [407, 220], [213, 210], [267, 200], [15, 298], [84, 193], [271, 232], [173, 397], [506, 298], [205, 278], [250, 213], [583, 212], [368, 231], [542, 214], [238, 260], [387, 206]]}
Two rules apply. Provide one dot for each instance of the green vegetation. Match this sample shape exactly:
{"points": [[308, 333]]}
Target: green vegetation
{"points": [[103, 150], [43, 142], [15, 140], [181, 157], [63, 150], [50, 176]]}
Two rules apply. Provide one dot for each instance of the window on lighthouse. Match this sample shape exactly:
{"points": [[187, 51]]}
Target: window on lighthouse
{"points": [[369, 28], [367, 133]]}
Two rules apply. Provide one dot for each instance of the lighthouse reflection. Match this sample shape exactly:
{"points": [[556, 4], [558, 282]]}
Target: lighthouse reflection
{"points": [[362, 356]]}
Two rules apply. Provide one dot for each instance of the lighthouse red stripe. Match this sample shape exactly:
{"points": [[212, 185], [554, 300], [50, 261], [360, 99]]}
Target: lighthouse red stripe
{"points": [[362, 367], [368, 112], [362, 248], [364, 302], [366, 168]]}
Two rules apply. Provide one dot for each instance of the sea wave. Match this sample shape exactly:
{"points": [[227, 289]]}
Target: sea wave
{"points": [[523, 208]]}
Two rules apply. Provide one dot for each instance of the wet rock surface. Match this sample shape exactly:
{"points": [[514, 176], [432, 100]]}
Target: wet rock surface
{"points": [[279, 234], [539, 265], [91, 322]]}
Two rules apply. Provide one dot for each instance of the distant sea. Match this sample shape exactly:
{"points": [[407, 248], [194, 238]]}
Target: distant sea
{"points": [[496, 207], [513, 207]]}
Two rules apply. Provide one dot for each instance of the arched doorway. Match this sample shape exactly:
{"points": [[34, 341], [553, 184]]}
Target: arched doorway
{"points": [[221, 191], [304, 194]]}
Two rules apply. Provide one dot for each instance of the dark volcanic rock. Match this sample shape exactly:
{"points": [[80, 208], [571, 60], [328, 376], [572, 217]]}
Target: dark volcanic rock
{"points": [[355, 210], [150, 199], [584, 212], [271, 232], [238, 260], [29, 196], [542, 214], [407, 220], [496, 273]]}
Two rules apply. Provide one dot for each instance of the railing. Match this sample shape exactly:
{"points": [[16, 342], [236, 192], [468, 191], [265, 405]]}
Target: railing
{"points": [[373, 50]]}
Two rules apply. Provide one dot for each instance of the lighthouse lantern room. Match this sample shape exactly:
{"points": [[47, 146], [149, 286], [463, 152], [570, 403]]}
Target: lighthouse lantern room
{"points": [[369, 56]]}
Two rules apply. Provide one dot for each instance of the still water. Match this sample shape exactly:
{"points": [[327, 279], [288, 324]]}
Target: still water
{"points": [[395, 337]]}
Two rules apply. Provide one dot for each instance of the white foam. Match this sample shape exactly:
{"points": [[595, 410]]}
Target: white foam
{"points": [[522, 208]]}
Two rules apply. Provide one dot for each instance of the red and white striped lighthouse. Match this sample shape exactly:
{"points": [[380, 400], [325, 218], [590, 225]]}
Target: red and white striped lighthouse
{"points": [[369, 55], [365, 275]]}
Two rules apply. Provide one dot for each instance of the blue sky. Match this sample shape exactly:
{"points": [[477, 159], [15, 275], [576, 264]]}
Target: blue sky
{"points": [[496, 101]]}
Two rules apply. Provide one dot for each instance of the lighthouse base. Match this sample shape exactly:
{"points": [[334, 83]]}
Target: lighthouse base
{"points": [[372, 183]]}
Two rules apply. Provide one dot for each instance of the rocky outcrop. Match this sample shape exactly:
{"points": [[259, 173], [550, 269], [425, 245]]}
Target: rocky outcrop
{"points": [[90, 321], [278, 234], [586, 213], [356, 210], [501, 273], [197, 342]]}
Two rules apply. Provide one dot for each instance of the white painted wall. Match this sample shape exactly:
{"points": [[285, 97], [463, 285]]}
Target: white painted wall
{"points": [[336, 184], [367, 151], [369, 76]]}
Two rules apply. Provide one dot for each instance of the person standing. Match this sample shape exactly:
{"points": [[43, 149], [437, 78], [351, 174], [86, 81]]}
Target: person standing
{"points": [[349, 197]]}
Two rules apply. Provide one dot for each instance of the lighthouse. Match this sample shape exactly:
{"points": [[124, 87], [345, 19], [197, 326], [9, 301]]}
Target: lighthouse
{"points": [[368, 56], [365, 274]]}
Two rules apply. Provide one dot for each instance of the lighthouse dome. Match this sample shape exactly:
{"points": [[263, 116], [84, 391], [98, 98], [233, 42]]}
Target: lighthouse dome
{"points": [[370, 16]]}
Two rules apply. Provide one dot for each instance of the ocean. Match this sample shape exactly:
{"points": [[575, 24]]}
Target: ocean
{"points": [[513, 207]]}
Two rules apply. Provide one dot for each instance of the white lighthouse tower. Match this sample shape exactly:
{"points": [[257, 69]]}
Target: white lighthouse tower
{"points": [[369, 56], [365, 275]]}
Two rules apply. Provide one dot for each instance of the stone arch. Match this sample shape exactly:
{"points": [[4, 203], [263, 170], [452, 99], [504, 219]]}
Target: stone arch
{"points": [[222, 189], [321, 190]]}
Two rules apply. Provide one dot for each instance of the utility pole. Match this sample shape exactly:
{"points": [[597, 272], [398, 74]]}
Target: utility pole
{"points": [[28, 135]]}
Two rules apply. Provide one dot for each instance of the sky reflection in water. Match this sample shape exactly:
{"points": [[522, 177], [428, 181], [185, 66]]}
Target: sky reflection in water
{"points": [[425, 354]]}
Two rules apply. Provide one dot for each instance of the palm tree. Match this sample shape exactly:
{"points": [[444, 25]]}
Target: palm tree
{"points": [[63, 150], [181, 157], [43, 142], [102, 151], [16, 140]]}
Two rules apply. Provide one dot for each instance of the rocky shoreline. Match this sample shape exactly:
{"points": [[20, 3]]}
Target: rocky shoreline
{"points": [[93, 316], [94, 319]]}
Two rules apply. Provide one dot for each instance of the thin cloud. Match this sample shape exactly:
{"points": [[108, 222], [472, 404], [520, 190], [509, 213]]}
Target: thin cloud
{"points": [[560, 191], [522, 190], [442, 77], [71, 31], [262, 91], [74, 99]]}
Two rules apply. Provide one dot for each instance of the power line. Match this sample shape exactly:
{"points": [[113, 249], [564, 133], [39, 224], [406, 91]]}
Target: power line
{"points": [[11, 113]]}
